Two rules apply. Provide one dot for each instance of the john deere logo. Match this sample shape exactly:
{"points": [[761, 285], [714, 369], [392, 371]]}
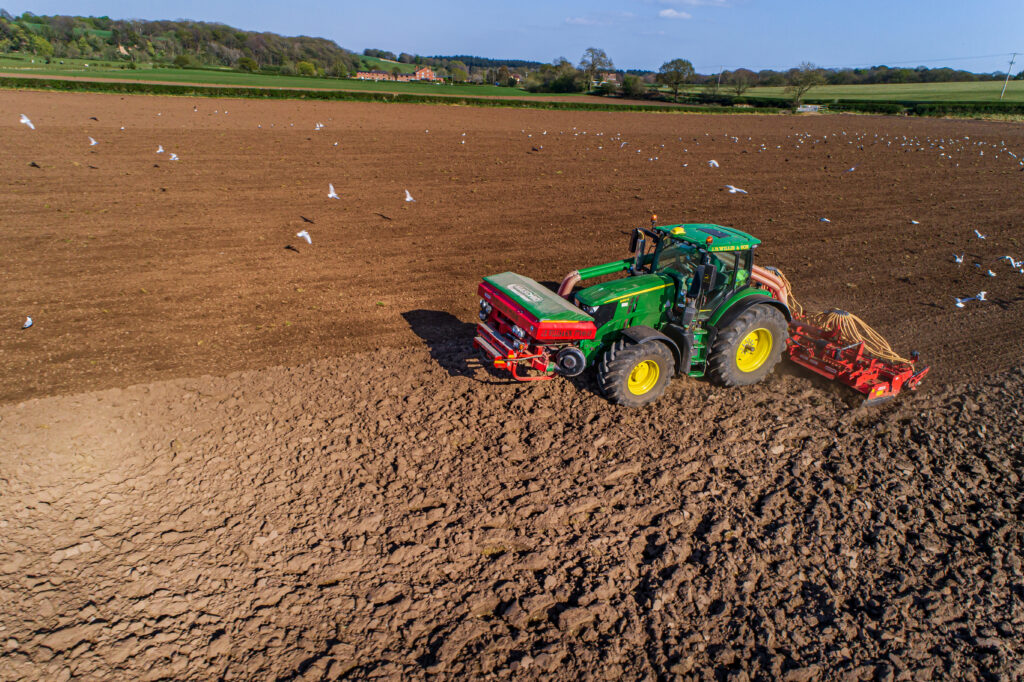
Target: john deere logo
{"points": [[524, 293]]}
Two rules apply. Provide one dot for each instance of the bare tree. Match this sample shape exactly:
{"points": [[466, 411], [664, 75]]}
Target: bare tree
{"points": [[741, 79], [594, 61], [675, 74], [802, 79]]}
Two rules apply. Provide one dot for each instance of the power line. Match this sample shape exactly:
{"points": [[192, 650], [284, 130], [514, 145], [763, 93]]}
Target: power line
{"points": [[916, 62]]}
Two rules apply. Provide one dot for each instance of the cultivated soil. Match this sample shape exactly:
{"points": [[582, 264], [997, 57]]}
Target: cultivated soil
{"points": [[226, 453]]}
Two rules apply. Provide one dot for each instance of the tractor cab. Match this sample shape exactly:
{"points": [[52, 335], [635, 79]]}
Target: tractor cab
{"points": [[708, 262]]}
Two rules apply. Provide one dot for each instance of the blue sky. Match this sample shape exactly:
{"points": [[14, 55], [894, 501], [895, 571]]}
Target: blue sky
{"points": [[635, 33]]}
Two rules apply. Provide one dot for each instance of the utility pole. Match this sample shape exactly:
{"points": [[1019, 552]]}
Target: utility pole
{"points": [[719, 87], [1008, 70]]}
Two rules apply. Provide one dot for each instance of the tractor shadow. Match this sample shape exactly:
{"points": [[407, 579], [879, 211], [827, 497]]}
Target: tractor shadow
{"points": [[450, 342]]}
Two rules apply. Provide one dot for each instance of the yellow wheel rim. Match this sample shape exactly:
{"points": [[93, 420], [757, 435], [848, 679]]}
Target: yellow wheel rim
{"points": [[754, 350], [643, 377]]}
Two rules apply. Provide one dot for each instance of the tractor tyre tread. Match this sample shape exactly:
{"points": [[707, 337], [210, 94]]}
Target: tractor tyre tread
{"points": [[618, 362], [722, 368]]}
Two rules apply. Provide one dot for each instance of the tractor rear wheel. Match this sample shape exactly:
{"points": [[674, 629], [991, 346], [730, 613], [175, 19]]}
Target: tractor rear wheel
{"points": [[635, 374], [747, 350]]}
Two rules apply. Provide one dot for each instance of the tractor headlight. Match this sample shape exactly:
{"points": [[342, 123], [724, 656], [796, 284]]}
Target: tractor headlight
{"points": [[485, 306], [518, 332], [589, 309], [483, 316]]}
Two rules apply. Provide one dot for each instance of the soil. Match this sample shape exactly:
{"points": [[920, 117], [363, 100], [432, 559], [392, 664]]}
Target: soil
{"points": [[221, 457]]}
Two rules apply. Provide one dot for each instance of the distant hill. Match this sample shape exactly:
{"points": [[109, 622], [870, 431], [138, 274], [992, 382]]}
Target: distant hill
{"points": [[196, 44], [184, 43]]}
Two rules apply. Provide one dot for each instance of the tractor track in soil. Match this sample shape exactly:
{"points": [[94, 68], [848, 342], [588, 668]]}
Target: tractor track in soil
{"points": [[223, 458]]}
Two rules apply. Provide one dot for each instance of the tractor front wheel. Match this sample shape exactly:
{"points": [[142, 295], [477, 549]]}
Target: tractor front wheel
{"points": [[635, 374], [747, 350]]}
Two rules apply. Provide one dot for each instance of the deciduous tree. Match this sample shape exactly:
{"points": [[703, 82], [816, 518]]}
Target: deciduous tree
{"points": [[802, 79], [675, 74], [595, 61]]}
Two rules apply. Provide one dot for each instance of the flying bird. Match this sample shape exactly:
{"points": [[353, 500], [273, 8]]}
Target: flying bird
{"points": [[408, 197], [174, 157], [92, 142], [958, 259], [1013, 263], [914, 222], [304, 235], [159, 149], [990, 274], [824, 220], [735, 190], [961, 301], [713, 164], [980, 235], [26, 121], [28, 323], [332, 194]]}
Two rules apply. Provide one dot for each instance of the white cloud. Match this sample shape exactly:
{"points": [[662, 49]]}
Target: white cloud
{"points": [[674, 14]]}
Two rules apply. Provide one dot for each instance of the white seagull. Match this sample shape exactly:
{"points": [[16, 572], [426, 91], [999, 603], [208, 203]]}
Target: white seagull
{"points": [[24, 119], [958, 259], [1015, 264], [824, 220], [914, 222], [159, 149], [174, 157], [980, 235], [713, 164], [332, 194], [304, 235], [960, 301], [28, 323], [92, 142], [990, 274], [408, 197], [735, 190]]}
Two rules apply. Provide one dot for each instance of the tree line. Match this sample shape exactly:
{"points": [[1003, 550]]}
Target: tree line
{"points": [[192, 44]]}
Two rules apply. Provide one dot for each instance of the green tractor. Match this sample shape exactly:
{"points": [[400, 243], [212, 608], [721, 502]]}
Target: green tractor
{"points": [[691, 303]]}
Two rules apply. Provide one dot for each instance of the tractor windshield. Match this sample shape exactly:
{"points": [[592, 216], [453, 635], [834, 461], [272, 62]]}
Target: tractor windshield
{"points": [[680, 258]]}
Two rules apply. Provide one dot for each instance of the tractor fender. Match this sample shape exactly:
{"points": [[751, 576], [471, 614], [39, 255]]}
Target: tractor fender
{"points": [[643, 334], [741, 306]]}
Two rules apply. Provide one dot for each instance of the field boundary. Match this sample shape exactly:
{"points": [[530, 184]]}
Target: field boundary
{"points": [[242, 92]]}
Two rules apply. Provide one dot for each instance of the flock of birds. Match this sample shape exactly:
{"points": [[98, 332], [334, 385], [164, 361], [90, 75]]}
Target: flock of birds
{"points": [[1017, 265], [953, 150]]}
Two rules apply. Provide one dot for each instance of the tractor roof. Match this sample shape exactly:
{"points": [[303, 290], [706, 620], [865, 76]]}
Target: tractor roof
{"points": [[722, 238]]}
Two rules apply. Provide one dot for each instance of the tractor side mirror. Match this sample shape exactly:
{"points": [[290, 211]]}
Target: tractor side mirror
{"points": [[710, 277], [634, 241], [697, 281]]}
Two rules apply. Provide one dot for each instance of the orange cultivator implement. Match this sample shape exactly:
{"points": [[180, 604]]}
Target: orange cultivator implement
{"points": [[840, 346]]}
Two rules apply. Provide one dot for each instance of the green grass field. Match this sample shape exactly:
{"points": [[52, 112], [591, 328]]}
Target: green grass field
{"points": [[383, 65], [987, 91], [112, 70]]}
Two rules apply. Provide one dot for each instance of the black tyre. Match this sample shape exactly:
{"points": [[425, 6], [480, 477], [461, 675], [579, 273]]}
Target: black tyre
{"points": [[635, 374], [747, 350]]}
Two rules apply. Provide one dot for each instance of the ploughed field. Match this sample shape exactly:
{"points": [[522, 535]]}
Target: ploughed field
{"points": [[225, 452]]}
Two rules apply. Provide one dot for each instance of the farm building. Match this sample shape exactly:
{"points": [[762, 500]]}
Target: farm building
{"points": [[424, 73]]}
